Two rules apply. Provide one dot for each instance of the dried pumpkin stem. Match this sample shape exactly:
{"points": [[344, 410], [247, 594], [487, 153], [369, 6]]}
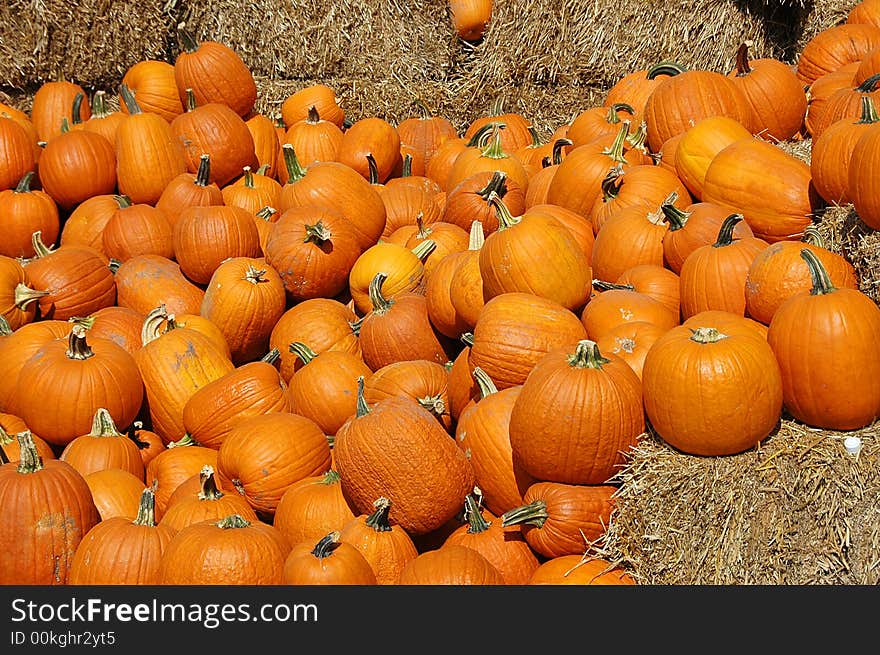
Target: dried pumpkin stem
{"points": [[187, 40], [556, 152], [208, 484], [822, 283], [602, 285], [99, 105], [467, 338], [152, 326], [497, 184], [869, 111], [122, 200], [326, 546], [362, 408], [294, 170], [494, 148], [203, 174], [24, 296], [29, 459], [318, 233], [77, 347], [742, 60], [406, 167], [505, 218], [725, 233], [103, 425], [612, 182], [425, 248], [232, 521], [587, 355], [475, 519], [128, 99], [378, 520], [380, 303], [477, 237], [147, 509], [707, 335], [676, 217], [615, 150], [302, 351], [485, 384], [313, 117], [5, 328], [255, 275], [272, 356], [24, 184], [533, 513], [433, 404]]}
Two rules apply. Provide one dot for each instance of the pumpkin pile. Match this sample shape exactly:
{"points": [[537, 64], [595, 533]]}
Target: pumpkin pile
{"points": [[336, 351]]}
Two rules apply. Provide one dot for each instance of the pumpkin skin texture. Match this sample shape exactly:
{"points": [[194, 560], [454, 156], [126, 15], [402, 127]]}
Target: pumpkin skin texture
{"points": [[396, 449], [862, 185], [561, 426], [421, 380], [825, 341], [115, 493], [697, 225], [470, 18], [17, 348], [450, 565], [730, 380], [147, 281], [388, 548], [576, 570], [103, 448], [312, 508], [329, 562], [13, 278], [699, 145], [18, 156], [320, 96], [154, 86], [834, 47], [25, 212], [264, 455], [10, 426], [727, 322], [67, 380], [562, 519], [179, 462], [514, 330], [631, 341], [210, 503], [119, 551], [231, 551], [53, 511], [53, 101], [77, 165]]}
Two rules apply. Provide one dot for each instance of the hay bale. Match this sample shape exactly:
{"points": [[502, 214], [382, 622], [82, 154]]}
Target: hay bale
{"points": [[91, 42], [819, 15], [796, 510], [568, 42], [395, 99], [295, 39], [846, 233]]}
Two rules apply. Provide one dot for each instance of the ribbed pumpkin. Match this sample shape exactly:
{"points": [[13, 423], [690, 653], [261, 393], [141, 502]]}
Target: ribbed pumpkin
{"points": [[229, 551], [147, 281], [710, 393], [386, 546], [252, 389], [540, 181], [580, 570], [16, 348], [53, 511], [62, 385], [562, 427], [188, 190], [398, 450], [656, 281], [402, 268], [727, 322], [844, 102], [210, 503], [422, 135], [446, 237], [779, 272], [119, 551], [514, 330], [206, 236], [631, 341], [27, 211], [262, 456], [137, 229], [562, 519], [17, 304], [453, 565], [861, 184], [534, 254], [327, 562], [174, 364], [53, 101], [596, 121], [253, 191], [423, 381], [148, 156], [267, 146], [632, 236], [313, 139], [10, 426], [503, 546], [831, 48], [634, 88], [116, 493], [825, 341], [370, 136], [322, 323], [699, 145], [312, 508], [620, 304], [104, 447], [714, 277], [179, 462], [215, 73], [84, 226], [466, 283], [489, 158], [17, 150], [468, 201], [325, 388], [153, 84], [297, 105]]}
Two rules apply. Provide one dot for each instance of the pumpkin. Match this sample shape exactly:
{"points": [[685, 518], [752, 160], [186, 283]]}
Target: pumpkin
{"points": [[421, 380], [313, 139], [699, 145], [620, 304], [632, 236], [10, 426], [779, 272], [714, 277], [727, 322], [210, 503], [119, 551], [597, 121], [860, 183], [53, 101], [470, 18], [327, 562], [144, 282], [456, 276], [104, 447], [188, 190], [451, 565], [580, 570], [446, 237], [312, 508], [407, 203], [402, 268], [134, 230], [634, 88], [262, 456], [228, 551], [631, 341], [54, 510], [514, 127], [845, 102], [16, 348], [179, 462], [252, 389], [655, 281], [370, 136], [153, 83], [150, 444], [831, 48], [387, 547], [84, 225], [562, 519], [564, 426], [697, 379], [17, 150], [297, 105], [468, 201], [540, 181], [116, 493], [267, 145], [63, 384], [423, 135], [215, 73], [824, 340], [17, 304], [820, 92], [514, 330], [27, 211], [148, 156], [103, 120], [398, 450]]}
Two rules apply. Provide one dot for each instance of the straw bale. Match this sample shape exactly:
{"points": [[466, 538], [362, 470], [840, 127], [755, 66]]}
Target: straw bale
{"points": [[91, 42], [819, 15], [798, 509], [846, 233], [292, 39]]}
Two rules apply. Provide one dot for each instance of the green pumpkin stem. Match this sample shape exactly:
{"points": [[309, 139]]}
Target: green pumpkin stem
{"points": [[362, 408], [271, 357], [208, 484], [302, 351], [497, 184], [813, 236], [869, 111], [706, 335], [476, 521], [317, 233], [676, 217], [65, 124], [356, 326], [75, 112], [533, 513], [380, 303], [612, 182], [424, 248], [725, 234], [255, 275], [331, 477], [536, 138], [99, 105], [494, 149], [103, 425], [5, 328], [587, 355], [478, 140], [294, 169], [602, 285], [505, 218], [183, 442], [556, 153], [822, 283], [77, 347], [869, 85], [24, 184], [266, 213], [203, 174], [232, 521], [406, 167], [29, 459], [326, 546], [670, 68], [128, 100], [615, 150], [263, 170], [378, 520], [467, 338], [147, 508], [24, 296], [485, 384], [476, 237], [373, 169], [612, 117]]}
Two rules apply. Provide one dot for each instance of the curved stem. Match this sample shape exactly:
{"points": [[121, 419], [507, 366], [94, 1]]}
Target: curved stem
{"points": [[670, 68], [302, 351], [378, 520], [533, 513], [313, 117], [76, 109], [373, 169], [271, 357], [131, 433], [612, 117], [208, 484], [484, 382], [424, 248], [122, 201], [326, 546], [497, 184], [380, 303], [822, 283], [24, 296], [467, 338], [725, 234], [128, 99], [40, 248], [505, 218], [362, 408], [77, 348], [406, 168], [587, 355], [869, 85], [477, 140], [266, 213], [813, 236], [433, 404], [615, 150], [24, 184], [476, 522], [676, 217], [494, 149], [558, 149], [612, 182], [602, 285], [317, 233], [294, 169], [152, 326], [5, 328]]}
